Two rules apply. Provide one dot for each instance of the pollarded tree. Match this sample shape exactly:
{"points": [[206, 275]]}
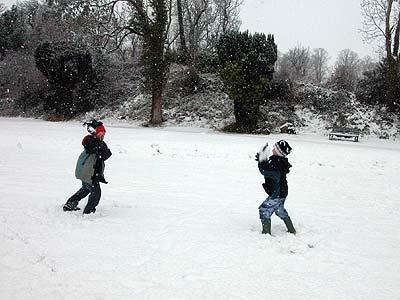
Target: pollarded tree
{"points": [[246, 66]]}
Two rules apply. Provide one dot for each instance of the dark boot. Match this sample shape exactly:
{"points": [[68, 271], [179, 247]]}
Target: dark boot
{"points": [[72, 202], [87, 211], [70, 206], [93, 200], [289, 225], [266, 225]]}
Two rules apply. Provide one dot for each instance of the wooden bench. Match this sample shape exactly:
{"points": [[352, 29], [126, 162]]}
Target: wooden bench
{"points": [[346, 133]]}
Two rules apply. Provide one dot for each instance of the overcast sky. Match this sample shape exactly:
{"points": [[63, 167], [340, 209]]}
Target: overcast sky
{"points": [[333, 25], [8, 3]]}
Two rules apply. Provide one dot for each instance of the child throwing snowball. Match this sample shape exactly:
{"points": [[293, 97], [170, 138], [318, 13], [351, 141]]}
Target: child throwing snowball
{"points": [[90, 168], [274, 166]]}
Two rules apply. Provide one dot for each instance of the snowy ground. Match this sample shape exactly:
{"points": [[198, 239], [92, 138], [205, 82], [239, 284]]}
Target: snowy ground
{"points": [[179, 218]]}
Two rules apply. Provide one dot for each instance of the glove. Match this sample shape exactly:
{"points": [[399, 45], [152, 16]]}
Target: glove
{"points": [[99, 178]]}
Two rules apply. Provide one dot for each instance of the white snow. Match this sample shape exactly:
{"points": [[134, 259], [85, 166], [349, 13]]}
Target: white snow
{"points": [[179, 218]]}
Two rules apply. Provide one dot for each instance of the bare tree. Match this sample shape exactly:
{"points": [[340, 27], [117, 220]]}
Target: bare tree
{"points": [[366, 64], [73, 20], [30, 9], [345, 75], [228, 14], [195, 13], [319, 65], [299, 58], [382, 20], [199, 24], [222, 18], [283, 68]]}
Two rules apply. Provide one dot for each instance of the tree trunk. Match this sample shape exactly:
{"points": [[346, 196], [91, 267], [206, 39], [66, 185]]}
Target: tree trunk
{"points": [[396, 39], [238, 111], [193, 31], [388, 34], [133, 44], [155, 64], [156, 106], [246, 113], [392, 75], [225, 19], [157, 69], [392, 81], [181, 29]]}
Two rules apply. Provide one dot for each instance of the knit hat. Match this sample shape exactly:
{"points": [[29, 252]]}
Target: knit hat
{"points": [[283, 148], [100, 128], [94, 126]]}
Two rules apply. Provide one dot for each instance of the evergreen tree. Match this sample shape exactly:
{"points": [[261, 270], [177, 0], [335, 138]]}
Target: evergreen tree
{"points": [[371, 89], [246, 65]]}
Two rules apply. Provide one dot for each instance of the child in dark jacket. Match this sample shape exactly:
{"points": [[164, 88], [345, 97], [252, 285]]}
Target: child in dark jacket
{"points": [[90, 168], [274, 169]]}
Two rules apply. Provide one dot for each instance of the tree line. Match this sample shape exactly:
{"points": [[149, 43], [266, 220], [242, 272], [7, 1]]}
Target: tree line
{"points": [[81, 46], [154, 32]]}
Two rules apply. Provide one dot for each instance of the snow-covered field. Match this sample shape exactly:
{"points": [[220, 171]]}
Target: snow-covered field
{"points": [[179, 218]]}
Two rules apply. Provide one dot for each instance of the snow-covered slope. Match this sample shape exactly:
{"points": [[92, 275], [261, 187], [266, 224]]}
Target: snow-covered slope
{"points": [[179, 218]]}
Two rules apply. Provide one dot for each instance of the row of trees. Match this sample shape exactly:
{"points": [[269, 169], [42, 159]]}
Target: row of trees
{"points": [[372, 82], [150, 30], [197, 33], [305, 65]]}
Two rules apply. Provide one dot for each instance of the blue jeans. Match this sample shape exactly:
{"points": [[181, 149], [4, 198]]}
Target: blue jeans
{"points": [[273, 205], [86, 189]]}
